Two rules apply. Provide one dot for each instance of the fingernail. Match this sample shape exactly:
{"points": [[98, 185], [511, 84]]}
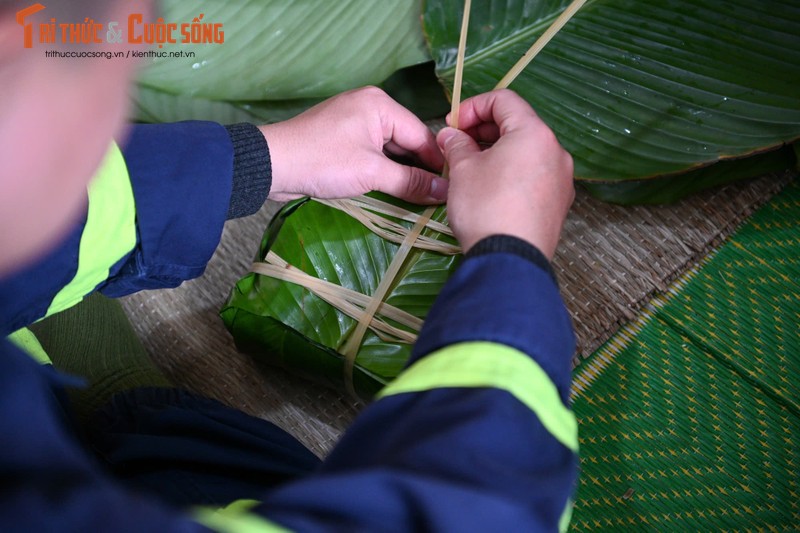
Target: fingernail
{"points": [[439, 187], [445, 135]]}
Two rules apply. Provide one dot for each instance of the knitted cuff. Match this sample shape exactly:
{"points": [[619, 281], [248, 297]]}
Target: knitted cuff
{"points": [[512, 245], [252, 170]]}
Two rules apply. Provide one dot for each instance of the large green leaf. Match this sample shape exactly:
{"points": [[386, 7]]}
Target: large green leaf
{"points": [[633, 89], [152, 105], [672, 188], [282, 323], [415, 87], [638, 89], [289, 49]]}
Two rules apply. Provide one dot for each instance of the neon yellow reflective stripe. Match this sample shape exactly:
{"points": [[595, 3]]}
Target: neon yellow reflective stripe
{"points": [[566, 516], [109, 234], [28, 343], [487, 364], [235, 519], [239, 506]]}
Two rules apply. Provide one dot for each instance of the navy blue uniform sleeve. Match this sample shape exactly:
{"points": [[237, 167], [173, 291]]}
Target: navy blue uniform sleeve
{"points": [[479, 440], [182, 178], [154, 217], [464, 455]]}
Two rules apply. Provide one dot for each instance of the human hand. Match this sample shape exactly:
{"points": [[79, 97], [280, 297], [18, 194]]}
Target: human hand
{"points": [[338, 149], [520, 186]]}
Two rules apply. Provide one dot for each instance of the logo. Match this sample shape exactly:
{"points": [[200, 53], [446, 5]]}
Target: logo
{"points": [[135, 31], [28, 28]]}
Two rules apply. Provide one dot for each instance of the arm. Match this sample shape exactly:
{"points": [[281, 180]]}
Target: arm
{"points": [[457, 441], [187, 179], [334, 150], [51, 483], [154, 214], [476, 434], [156, 208]]}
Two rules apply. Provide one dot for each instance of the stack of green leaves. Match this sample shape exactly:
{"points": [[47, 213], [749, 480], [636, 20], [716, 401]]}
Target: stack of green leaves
{"points": [[654, 100], [648, 97]]}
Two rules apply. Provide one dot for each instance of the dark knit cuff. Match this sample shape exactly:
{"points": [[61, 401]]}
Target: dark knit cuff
{"points": [[252, 170], [512, 245]]}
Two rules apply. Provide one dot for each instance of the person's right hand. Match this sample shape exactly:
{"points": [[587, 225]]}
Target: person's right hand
{"points": [[520, 186]]}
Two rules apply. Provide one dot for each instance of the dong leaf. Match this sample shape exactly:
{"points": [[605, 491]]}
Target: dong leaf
{"points": [[414, 87], [640, 89], [653, 99], [152, 105], [289, 50], [284, 324], [672, 188]]}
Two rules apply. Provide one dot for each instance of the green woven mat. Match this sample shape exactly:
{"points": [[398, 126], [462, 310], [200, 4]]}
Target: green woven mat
{"points": [[690, 416]]}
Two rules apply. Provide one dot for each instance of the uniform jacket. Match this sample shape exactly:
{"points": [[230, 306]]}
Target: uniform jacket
{"points": [[475, 435]]}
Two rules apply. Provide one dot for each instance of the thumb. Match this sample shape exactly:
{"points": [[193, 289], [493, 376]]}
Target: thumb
{"points": [[412, 184], [456, 144]]}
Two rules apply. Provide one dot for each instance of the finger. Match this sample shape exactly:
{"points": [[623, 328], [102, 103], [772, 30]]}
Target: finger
{"points": [[402, 128], [412, 184], [399, 153], [486, 132], [504, 108], [456, 145]]}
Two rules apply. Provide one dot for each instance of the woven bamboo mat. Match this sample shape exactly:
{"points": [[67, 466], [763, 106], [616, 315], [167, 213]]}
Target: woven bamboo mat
{"points": [[611, 260], [690, 416]]}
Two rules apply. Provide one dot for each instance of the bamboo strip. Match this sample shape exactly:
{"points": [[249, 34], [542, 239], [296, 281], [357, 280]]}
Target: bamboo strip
{"points": [[362, 300], [455, 102], [540, 43], [354, 341], [378, 206], [350, 302], [391, 230], [364, 209]]}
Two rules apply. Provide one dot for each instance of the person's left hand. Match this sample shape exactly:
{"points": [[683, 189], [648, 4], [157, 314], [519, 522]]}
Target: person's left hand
{"points": [[338, 149]]}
